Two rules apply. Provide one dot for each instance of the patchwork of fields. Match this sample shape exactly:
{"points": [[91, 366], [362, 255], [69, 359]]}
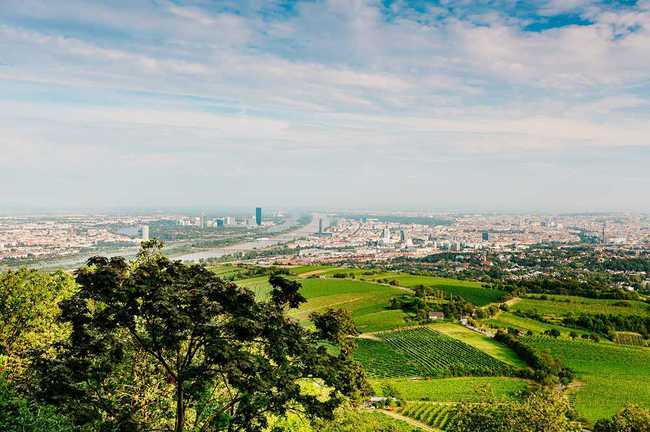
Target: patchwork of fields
{"points": [[458, 364]]}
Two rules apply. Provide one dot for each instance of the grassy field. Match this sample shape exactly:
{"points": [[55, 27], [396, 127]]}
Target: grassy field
{"points": [[366, 301], [259, 285], [613, 375], [473, 292], [559, 305], [477, 340], [460, 389], [422, 352], [505, 320]]}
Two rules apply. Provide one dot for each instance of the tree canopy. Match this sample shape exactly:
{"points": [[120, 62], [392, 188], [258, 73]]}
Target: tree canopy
{"points": [[159, 344]]}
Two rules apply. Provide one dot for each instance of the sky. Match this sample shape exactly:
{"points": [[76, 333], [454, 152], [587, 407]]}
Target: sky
{"points": [[483, 105]]}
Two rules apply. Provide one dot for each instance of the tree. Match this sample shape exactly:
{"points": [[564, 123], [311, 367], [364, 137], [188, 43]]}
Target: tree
{"points": [[632, 418], [544, 410], [28, 307], [208, 355]]}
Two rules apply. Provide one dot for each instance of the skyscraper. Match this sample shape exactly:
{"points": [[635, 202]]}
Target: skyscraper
{"points": [[320, 226], [258, 216], [145, 232], [485, 236]]}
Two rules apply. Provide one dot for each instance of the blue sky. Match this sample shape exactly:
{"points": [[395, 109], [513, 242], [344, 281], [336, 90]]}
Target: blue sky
{"points": [[464, 105]]}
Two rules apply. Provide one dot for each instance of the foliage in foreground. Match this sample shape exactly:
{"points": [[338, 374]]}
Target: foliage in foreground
{"points": [[545, 410], [161, 345], [632, 418], [28, 311], [20, 415]]}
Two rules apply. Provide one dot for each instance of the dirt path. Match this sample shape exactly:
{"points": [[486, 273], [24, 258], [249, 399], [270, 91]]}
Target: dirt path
{"points": [[312, 273], [408, 420]]}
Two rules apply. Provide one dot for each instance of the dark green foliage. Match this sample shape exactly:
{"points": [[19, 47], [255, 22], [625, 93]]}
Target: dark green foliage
{"points": [[546, 369], [164, 345], [632, 418], [604, 324], [20, 415]]}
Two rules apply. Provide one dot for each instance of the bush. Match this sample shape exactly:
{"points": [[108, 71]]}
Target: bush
{"points": [[630, 419]]}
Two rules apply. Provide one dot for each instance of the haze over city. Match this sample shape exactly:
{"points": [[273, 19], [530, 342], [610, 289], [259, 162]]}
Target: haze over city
{"points": [[436, 105]]}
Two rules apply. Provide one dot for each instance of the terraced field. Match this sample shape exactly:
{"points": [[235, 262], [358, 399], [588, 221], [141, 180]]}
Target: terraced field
{"points": [[613, 375], [422, 352], [437, 415]]}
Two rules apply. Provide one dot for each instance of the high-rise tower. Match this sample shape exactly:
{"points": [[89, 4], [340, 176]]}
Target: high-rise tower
{"points": [[258, 216]]}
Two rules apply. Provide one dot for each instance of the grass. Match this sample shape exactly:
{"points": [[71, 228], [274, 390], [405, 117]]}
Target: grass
{"points": [[507, 319], [366, 301], [557, 305], [422, 352], [613, 375], [484, 343], [473, 292], [460, 389]]}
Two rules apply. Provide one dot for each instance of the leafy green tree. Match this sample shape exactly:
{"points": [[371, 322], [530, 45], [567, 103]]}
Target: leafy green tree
{"points": [[28, 307], [544, 410], [209, 354], [632, 418]]}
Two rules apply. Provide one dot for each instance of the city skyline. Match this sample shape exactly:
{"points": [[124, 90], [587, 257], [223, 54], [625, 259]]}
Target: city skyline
{"points": [[416, 105]]}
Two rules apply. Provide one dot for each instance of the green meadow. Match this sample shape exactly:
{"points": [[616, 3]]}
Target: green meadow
{"points": [[556, 305], [460, 389], [608, 375], [506, 320], [473, 292]]}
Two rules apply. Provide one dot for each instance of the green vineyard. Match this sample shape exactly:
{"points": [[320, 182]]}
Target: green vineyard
{"points": [[436, 415], [629, 338], [422, 352]]}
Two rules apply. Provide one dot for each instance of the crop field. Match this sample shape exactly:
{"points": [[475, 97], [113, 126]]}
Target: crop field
{"points": [[560, 305], [481, 342], [629, 338], [459, 389], [612, 375], [422, 352], [436, 415]]}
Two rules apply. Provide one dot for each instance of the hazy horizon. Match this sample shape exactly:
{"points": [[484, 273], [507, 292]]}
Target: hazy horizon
{"points": [[532, 106]]}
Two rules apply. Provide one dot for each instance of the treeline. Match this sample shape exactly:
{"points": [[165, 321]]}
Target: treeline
{"points": [[546, 369], [590, 289], [606, 324]]}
